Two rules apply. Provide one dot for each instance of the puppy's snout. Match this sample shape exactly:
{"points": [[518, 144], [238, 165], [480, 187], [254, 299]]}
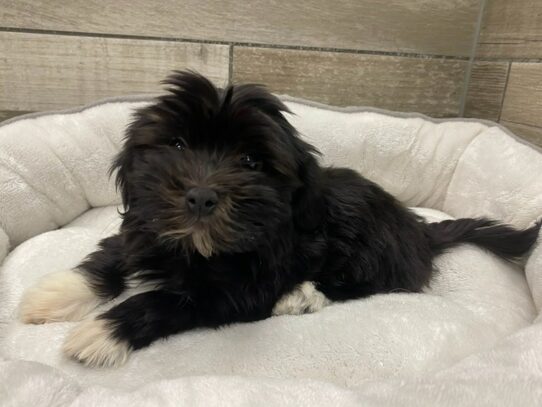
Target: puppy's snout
{"points": [[201, 201]]}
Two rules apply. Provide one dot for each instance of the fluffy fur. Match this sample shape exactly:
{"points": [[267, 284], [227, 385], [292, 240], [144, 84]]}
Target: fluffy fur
{"points": [[93, 344], [280, 220], [61, 296], [303, 299]]}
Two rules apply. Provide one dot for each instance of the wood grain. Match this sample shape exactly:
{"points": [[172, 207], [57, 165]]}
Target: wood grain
{"points": [[417, 26], [523, 97], [486, 90], [512, 29], [530, 133], [39, 72], [430, 86]]}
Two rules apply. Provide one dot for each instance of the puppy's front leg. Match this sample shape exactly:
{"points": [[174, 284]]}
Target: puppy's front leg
{"points": [[71, 294], [109, 339]]}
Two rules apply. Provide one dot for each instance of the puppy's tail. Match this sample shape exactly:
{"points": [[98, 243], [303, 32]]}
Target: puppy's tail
{"points": [[503, 240]]}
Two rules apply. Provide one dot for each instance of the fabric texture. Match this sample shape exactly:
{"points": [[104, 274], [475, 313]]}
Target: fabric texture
{"points": [[473, 338]]}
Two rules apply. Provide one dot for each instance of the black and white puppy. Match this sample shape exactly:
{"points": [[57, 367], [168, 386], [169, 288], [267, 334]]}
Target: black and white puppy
{"points": [[230, 218]]}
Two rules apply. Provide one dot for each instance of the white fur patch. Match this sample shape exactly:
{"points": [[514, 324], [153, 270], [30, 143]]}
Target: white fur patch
{"points": [[62, 296], [304, 299], [93, 344]]}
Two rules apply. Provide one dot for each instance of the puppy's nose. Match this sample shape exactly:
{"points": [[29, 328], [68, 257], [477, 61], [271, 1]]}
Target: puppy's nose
{"points": [[201, 201]]}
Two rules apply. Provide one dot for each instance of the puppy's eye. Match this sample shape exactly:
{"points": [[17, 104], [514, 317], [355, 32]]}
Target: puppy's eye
{"points": [[250, 162], [179, 144]]}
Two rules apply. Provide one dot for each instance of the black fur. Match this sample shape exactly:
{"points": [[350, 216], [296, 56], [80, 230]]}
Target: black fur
{"points": [[503, 240], [281, 219]]}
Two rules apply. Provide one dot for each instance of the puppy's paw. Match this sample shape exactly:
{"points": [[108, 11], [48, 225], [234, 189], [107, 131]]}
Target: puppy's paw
{"points": [[62, 296], [304, 299], [93, 344]]}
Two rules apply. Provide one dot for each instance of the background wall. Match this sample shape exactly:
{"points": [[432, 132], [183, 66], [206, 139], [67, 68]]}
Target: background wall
{"points": [[506, 82], [407, 55]]}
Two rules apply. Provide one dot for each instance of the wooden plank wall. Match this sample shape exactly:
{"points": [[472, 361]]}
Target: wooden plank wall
{"points": [[408, 55], [506, 81]]}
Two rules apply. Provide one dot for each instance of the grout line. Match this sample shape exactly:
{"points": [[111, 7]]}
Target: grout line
{"points": [[511, 59], [230, 65], [524, 124], [468, 72], [106, 35], [235, 43], [504, 90]]}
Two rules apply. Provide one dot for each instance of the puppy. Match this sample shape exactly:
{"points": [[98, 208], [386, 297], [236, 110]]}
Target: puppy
{"points": [[229, 218]]}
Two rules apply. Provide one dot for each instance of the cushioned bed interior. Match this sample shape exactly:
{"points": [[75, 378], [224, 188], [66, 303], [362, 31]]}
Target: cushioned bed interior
{"points": [[58, 202]]}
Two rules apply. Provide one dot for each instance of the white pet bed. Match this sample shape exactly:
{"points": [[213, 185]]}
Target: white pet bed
{"points": [[472, 339]]}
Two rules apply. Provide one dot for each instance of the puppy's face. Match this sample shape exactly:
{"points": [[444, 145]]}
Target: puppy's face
{"points": [[209, 170]]}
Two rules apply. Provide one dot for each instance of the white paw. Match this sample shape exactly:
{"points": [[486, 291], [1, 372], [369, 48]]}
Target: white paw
{"points": [[62, 296], [92, 343], [304, 299]]}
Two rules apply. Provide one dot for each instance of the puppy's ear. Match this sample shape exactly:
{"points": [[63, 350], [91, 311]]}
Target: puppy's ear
{"points": [[145, 129], [122, 165], [308, 204], [140, 131]]}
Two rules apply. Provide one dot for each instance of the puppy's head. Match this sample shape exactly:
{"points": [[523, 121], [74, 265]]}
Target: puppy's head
{"points": [[216, 170]]}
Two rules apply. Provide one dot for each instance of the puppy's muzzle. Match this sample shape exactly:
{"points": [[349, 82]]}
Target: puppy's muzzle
{"points": [[201, 201]]}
